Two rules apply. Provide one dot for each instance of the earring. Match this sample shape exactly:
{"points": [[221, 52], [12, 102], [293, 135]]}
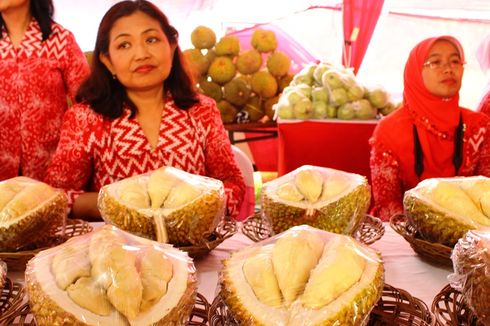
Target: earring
{"points": [[114, 76]]}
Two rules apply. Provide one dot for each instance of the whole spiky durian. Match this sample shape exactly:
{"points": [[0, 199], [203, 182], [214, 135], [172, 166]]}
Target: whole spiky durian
{"points": [[254, 109], [237, 92], [211, 89], [228, 111], [263, 40], [198, 63], [249, 62], [278, 64], [264, 84], [203, 37], [228, 45], [222, 70]]}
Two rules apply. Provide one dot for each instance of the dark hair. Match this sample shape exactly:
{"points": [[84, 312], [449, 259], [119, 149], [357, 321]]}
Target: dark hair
{"points": [[42, 11], [107, 95]]}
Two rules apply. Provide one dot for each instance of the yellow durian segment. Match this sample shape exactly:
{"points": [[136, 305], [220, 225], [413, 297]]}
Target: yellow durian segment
{"points": [[70, 264], [134, 193], [87, 294], [155, 271], [259, 273], [479, 191], [293, 257], [450, 196], [180, 194], [485, 206], [28, 198], [310, 184], [334, 185], [8, 190], [288, 191], [341, 268], [159, 185]]}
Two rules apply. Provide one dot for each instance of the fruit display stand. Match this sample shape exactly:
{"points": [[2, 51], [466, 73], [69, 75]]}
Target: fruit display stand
{"points": [[333, 143], [255, 131], [450, 309]]}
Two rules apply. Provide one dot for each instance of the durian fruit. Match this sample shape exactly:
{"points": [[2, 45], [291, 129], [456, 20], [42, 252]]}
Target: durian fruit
{"points": [[237, 92], [278, 64], [133, 266], [324, 198], [183, 206], [317, 278], [249, 62], [264, 40], [444, 209], [227, 46], [471, 262], [30, 210], [211, 89], [198, 63], [222, 70], [3, 273], [264, 84], [228, 111], [254, 108], [203, 37]]}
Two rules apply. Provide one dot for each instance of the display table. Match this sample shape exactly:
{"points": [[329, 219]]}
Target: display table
{"points": [[404, 269], [336, 144]]}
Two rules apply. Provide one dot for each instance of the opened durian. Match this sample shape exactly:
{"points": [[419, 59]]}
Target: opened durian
{"points": [[29, 211], [302, 277], [444, 209], [324, 198], [167, 205], [122, 279], [471, 262], [3, 274]]}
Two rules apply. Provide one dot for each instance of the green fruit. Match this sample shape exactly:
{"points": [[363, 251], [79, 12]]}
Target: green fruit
{"points": [[254, 109], [211, 89], [363, 110], [284, 82], [264, 41], [269, 106], [237, 92], [346, 112], [203, 37], [222, 70], [228, 111], [228, 46], [249, 62], [338, 97], [278, 64], [264, 84], [303, 109], [319, 110]]}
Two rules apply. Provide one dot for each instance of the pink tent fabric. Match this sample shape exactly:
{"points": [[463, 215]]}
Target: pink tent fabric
{"points": [[360, 18]]}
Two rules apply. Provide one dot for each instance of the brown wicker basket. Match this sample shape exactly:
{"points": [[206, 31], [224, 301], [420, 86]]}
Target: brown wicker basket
{"points": [[430, 251], [10, 299], [16, 261], [223, 231], [395, 307], [23, 317], [369, 230], [450, 309]]}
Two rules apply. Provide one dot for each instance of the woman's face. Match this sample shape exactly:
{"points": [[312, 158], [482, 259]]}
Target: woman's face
{"points": [[140, 55], [443, 69]]}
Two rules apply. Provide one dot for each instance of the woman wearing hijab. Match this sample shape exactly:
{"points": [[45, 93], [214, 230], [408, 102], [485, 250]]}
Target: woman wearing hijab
{"points": [[483, 57], [430, 135]]}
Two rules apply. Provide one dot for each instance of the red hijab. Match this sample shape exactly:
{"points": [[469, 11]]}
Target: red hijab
{"points": [[436, 118]]}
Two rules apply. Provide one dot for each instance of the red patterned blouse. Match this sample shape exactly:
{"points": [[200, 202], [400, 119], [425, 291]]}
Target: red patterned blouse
{"points": [[35, 79], [95, 151]]}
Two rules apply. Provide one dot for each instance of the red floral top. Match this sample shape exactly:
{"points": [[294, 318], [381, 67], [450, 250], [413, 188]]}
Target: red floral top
{"points": [[95, 151], [35, 79], [392, 159], [484, 105]]}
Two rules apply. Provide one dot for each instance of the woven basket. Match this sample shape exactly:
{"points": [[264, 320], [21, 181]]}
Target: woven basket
{"points": [[10, 299], [16, 261], [369, 230], [395, 307], [430, 251], [223, 231], [23, 317], [450, 309]]}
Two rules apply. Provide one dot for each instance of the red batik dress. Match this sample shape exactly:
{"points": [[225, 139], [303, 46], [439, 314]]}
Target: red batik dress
{"points": [[95, 151], [35, 79]]}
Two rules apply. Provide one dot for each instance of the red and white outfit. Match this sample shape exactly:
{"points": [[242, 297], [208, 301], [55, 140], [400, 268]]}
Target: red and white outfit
{"points": [[95, 151], [392, 144], [35, 79]]}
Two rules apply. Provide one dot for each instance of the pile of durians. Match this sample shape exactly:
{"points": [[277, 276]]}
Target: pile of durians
{"points": [[245, 84]]}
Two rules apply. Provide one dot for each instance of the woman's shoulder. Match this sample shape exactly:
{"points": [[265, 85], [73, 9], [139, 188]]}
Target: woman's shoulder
{"points": [[60, 34], [474, 118], [83, 114], [394, 122], [205, 106]]}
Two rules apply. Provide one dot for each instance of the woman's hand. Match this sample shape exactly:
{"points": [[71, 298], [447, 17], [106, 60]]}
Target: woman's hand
{"points": [[85, 207]]}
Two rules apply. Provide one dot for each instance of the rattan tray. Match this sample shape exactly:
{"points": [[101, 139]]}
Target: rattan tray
{"points": [[16, 261], [430, 251], [11, 298], [450, 309], [23, 317], [395, 307], [223, 231], [369, 230]]}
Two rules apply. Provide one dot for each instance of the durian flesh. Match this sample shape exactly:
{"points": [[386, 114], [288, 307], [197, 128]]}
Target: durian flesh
{"points": [[138, 291], [342, 285], [443, 209]]}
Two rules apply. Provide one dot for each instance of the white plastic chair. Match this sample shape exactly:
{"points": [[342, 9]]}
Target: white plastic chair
{"points": [[247, 169]]}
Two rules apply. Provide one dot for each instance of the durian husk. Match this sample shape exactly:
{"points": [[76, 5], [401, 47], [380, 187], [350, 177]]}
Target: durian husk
{"points": [[471, 262], [36, 225], [185, 225], [352, 312], [3, 274], [49, 313], [340, 216]]}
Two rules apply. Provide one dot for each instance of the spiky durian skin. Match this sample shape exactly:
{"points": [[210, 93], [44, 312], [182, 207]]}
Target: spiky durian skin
{"points": [[342, 216], [354, 312], [48, 313], [185, 225], [434, 225], [471, 259], [35, 226]]}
